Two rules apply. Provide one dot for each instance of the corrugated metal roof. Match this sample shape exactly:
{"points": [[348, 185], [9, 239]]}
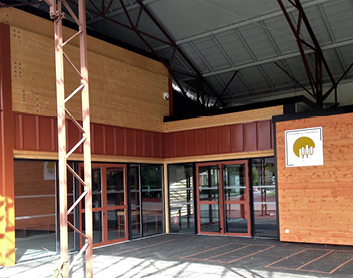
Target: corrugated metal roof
{"points": [[220, 37]]}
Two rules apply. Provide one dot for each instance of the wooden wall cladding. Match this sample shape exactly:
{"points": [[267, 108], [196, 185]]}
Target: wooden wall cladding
{"points": [[44, 27], [121, 94], [39, 133], [245, 137], [315, 203], [261, 114]]}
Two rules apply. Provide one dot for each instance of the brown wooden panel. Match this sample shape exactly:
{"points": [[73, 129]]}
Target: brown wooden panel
{"points": [[120, 147], [224, 119], [201, 141], [317, 194], [212, 140], [190, 139], [179, 138], [225, 139], [144, 109], [237, 138], [109, 140], [263, 135], [250, 137], [45, 134], [130, 142], [29, 132], [148, 143], [139, 143]]}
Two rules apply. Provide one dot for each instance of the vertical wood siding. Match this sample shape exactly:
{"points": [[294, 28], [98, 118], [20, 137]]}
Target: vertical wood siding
{"points": [[315, 203]]}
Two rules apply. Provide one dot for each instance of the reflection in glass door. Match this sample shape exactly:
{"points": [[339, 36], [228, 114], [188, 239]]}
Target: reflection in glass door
{"points": [[223, 198], [109, 204]]}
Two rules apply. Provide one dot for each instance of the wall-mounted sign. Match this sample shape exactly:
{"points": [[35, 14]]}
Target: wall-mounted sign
{"points": [[304, 147], [49, 170]]}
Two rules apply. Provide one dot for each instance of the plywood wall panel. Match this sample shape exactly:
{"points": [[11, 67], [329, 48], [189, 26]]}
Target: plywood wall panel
{"points": [[120, 94], [315, 203], [20, 19], [224, 119]]}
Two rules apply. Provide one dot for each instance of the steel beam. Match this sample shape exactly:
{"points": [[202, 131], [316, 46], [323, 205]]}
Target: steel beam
{"points": [[82, 73]]}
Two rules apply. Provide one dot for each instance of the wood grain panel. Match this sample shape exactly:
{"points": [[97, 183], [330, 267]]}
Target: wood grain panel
{"points": [[190, 138], [237, 138], [224, 119], [263, 133], [201, 141], [315, 202], [225, 139], [20, 19], [120, 94]]}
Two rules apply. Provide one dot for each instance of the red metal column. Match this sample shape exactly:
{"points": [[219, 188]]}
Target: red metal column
{"points": [[57, 15], [7, 192]]}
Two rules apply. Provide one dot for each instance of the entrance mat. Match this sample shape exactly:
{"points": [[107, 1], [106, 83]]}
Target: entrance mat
{"points": [[314, 260], [229, 253]]}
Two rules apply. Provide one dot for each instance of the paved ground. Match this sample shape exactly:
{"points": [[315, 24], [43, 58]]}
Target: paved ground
{"points": [[204, 256]]}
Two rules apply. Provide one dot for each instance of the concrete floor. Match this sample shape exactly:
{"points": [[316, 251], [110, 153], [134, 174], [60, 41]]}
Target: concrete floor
{"points": [[204, 256]]}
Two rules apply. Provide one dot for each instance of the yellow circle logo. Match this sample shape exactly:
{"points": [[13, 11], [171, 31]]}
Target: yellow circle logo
{"points": [[303, 147]]}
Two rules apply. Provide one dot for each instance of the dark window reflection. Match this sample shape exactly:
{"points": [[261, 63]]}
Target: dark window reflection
{"points": [[264, 197]]}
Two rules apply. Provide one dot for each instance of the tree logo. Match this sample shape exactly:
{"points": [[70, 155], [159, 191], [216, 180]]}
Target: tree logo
{"points": [[304, 147]]}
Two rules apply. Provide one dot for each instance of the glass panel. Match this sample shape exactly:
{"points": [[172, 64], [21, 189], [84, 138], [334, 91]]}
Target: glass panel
{"points": [[181, 199], [96, 188], [116, 224], [152, 206], [35, 183], [236, 221], [264, 197], [208, 183], [135, 201], [234, 183], [115, 187], [97, 226], [209, 218]]}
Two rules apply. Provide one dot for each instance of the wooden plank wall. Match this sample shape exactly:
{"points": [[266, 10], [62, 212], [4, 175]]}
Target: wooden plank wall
{"points": [[224, 119], [126, 89], [315, 203]]}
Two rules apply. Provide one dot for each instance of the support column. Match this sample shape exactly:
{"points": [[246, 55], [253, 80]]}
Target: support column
{"points": [[7, 193]]}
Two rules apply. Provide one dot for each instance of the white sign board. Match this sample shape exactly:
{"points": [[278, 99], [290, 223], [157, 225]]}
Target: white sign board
{"points": [[304, 147]]}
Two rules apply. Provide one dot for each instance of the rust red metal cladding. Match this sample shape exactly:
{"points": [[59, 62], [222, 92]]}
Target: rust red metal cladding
{"points": [[225, 139], [179, 143], [237, 137], [263, 135], [190, 139], [201, 141], [213, 143], [250, 137], [39, 133]]}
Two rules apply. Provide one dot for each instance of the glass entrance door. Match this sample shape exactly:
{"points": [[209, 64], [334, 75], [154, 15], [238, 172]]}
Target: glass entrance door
{"points": [[109, 204], [223, 198]]}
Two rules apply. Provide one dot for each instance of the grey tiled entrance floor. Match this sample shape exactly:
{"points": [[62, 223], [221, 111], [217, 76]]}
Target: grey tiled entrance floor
{"points": [[204, 256]]}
